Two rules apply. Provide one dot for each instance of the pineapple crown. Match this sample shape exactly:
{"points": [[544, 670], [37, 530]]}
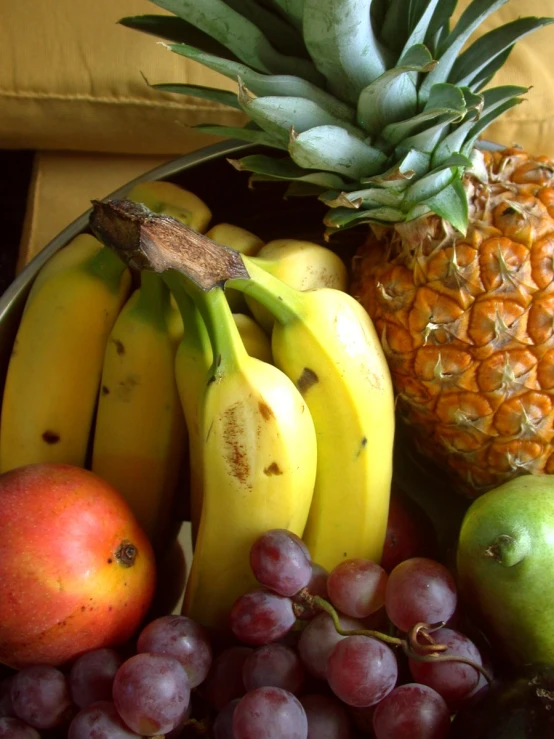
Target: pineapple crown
{"points": [[375, 106]]}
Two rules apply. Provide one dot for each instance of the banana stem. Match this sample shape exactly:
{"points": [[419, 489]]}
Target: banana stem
{"points": [[280, 299], [153, 300], [146, 240], [227, 345], [108, 266]]}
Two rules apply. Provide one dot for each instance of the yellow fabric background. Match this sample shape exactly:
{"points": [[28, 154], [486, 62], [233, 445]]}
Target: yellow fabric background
{"points": [[71, 84]]}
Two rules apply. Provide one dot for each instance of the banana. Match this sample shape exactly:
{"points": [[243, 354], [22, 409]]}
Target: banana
{"points": [[236, 237], [258, 465], [54, 370], [140, 434], [169, 199], [326, 343], [241, 240], [303, 265], [192, 363]]}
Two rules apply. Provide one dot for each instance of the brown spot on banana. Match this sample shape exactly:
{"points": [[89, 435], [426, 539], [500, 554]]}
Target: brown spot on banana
{"points": [[266, 411], [273, 469], [306, 380], [233, 439], [51, 437], [119, 347]]}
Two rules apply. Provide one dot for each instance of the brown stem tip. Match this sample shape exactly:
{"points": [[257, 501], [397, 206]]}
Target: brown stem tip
{"points": [[146, 240]]}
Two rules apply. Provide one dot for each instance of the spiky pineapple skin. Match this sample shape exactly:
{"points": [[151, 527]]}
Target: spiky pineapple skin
{"points": [[467, 323]]}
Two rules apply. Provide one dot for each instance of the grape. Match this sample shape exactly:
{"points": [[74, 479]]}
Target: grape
{"points": [[356, 587], [453, 680], [280, 560], [412, 711], [224, 681], [6, 707], [327, 718], [223, 724], [269, 713], [91, 677], [260, 617], [274, 665], [15, 728], [151, 693], [361, 670], [182, 638], [40, 696], [99, 721], [419, 590], [318, 640], [410, 532]]}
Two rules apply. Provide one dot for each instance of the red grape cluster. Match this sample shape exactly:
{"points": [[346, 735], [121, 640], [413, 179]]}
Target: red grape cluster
{"points": [[105, 696], [355, 652]]}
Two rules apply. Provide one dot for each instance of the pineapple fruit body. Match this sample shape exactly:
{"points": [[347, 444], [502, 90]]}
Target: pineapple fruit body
{"points": [[467, 323]]}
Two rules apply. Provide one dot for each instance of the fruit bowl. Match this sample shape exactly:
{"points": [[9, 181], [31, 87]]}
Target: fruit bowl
{"points": [[266, 212]]}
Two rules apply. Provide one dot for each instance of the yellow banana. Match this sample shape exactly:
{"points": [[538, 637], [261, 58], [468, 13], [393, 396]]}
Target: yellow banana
{"points": [[54, 370], [169, 199], [192, 362], [236, 237], [140, 434], [303, 265], [241, 240], [326, 343], [259, 465]]}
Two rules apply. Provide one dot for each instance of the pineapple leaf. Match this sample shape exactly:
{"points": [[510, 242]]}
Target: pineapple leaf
{"points": [[284, 37], [265, 84], [419, 29], [340, 40], [285, 169], [290, 9], [445, 102], [485, 121], [487, 73], [223, 97], [427, 140], [437, 179], [490, 46], [341, 218], [278, 115], [334, 149], [414, 163], [469, 21], [439, 25], [239, 35], [171, 28], [245, 134], [393, 96], [395, 28], [451, 205], [369, 198]]}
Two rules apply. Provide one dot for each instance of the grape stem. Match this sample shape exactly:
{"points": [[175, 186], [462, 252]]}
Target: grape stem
{"points": [[411, 646]]}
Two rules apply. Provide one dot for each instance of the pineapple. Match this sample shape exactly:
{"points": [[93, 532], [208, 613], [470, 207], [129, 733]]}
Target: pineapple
{"points": [[377, 108]]}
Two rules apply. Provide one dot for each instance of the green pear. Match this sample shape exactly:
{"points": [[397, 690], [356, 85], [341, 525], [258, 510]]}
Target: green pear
{"points": [[505, 563]]}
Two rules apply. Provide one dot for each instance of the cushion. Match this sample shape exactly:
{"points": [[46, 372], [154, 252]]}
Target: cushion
{"points": [[71, 79]]}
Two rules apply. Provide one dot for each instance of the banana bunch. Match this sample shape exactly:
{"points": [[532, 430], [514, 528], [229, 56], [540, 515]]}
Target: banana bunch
{"points": [[255, 457], [299, 437], [55, 367]]}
